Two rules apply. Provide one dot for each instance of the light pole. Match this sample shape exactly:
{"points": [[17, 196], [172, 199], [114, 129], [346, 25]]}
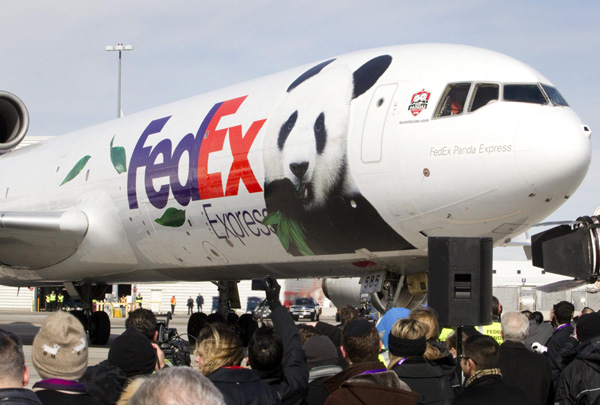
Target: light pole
{"points": [[120, 48]]}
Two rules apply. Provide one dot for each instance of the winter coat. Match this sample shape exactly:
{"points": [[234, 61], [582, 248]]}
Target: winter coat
{"points": [[538, 333], [491, 390], [579, 383], [559, 338], [63, 392], [427, 379], [241, 386], [291, 379], [105, 382], [373, 388], [333, 383], [18, 396], [527, 370], [317, 393]]}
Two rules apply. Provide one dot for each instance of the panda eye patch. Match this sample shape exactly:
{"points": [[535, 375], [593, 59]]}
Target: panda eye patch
{"points": [[286, 128], [320, 133]]}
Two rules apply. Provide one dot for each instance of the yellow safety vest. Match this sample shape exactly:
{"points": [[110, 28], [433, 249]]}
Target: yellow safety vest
{"points": [[492, 330], [52, 297], [445, 333]]}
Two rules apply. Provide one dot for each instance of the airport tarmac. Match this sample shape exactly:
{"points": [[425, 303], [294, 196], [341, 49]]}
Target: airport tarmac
{"points": [[26, 324]]}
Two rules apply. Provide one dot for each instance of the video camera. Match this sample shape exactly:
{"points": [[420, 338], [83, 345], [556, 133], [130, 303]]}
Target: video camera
{"points": [[172, 345]]}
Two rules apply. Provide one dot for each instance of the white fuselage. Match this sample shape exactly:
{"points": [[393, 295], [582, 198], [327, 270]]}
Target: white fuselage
{"points": [[492, 172]]}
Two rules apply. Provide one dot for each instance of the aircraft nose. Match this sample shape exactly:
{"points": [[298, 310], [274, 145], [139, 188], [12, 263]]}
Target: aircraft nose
{"points": [[553, 152]]}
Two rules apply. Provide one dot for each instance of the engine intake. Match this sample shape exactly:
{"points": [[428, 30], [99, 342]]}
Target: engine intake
{"points": [[14, 121]]}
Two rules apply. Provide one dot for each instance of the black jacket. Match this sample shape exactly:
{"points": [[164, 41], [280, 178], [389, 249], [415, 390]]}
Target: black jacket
{"points": [[427, 379], [18, 396], [579, 383], [290, 380], [558, 340], [527, 370], [105, 382], [491, 390], [241, 386]]}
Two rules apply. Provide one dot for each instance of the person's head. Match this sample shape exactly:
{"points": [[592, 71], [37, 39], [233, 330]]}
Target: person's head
{"points": [[320, 351], [218, 346], [246, 327], [481, 352], [360, 341], [307, 331], [563, 312], [588, 327], [429, 321], [406, 339], [13, 371], [456, 107], [586, 310], [60, 348], [177, 386], [133, 353], [265, 350], [144, 321], [496, 307], [515, 327], [538, 316], [348, 313]]}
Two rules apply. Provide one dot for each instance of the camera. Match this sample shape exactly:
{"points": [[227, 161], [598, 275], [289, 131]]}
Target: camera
{"points": [[172, 345]]}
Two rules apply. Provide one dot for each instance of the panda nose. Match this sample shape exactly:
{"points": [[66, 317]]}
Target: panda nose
{"points": [[299, 169]]}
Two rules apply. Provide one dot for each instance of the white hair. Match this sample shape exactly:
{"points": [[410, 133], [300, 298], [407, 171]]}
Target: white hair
{"points": [[177, 386], [515, 326]]}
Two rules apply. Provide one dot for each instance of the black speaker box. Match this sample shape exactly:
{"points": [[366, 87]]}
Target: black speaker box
{"points": [[460, 280]]}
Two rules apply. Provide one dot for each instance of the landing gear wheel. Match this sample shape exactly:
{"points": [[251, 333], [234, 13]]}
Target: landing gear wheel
{"points": [[99, 328], [195, 323], [81, 316]]}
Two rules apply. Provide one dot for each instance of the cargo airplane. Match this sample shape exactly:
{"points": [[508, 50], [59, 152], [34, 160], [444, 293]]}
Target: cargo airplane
{"points": [[341, 168]]}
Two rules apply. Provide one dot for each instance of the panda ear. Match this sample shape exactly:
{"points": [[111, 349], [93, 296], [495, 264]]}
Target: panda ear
{"points": [[308, 74], [368, 74]]}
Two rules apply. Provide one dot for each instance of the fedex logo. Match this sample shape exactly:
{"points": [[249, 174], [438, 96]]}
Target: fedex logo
{"points": [[161, 161]]}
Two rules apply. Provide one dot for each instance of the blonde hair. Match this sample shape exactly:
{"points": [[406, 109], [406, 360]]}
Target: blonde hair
{"points": [[130, 390], [405, 328], [220, 347], [429, 321]]}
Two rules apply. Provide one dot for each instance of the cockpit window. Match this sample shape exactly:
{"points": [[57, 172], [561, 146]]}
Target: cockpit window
{"points": [[453, 100], [524, 93], [483, 94], [554, 95]]}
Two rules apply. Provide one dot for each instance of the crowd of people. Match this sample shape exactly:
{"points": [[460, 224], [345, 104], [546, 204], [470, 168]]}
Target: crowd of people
{"points": [[401, 361]]}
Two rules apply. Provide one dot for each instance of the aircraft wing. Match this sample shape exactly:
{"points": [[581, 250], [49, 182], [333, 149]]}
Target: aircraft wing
{"points": [[40, 239]]}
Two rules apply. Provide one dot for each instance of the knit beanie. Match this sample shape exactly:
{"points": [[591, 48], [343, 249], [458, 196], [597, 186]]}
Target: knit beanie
{"points": [[320, 351], [133, 353], [588, 326], [60, 348]]}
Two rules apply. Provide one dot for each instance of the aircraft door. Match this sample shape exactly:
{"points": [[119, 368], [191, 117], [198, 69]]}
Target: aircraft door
{"points": [[372, 136]]}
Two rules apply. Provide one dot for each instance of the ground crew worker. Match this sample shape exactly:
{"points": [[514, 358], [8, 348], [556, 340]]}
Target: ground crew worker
{"points": [[138, 300], [494, 330], [52, 301], [48, 302], [61, 300], [173, 303]]}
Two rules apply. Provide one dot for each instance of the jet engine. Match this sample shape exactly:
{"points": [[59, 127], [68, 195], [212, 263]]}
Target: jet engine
{"points": [[14, 121], [397, 290], [571, 249]]}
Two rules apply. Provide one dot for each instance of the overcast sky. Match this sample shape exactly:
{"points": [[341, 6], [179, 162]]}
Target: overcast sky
{"points": [[53, 57]]}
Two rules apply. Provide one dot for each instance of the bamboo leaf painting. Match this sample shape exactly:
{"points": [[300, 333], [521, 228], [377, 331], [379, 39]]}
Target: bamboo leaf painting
{"points": [[118, 157], [76, 169], [172, 217]]}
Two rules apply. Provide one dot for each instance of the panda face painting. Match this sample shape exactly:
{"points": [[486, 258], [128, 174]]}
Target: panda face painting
{"points": [[308, 137], [312, 201]]}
